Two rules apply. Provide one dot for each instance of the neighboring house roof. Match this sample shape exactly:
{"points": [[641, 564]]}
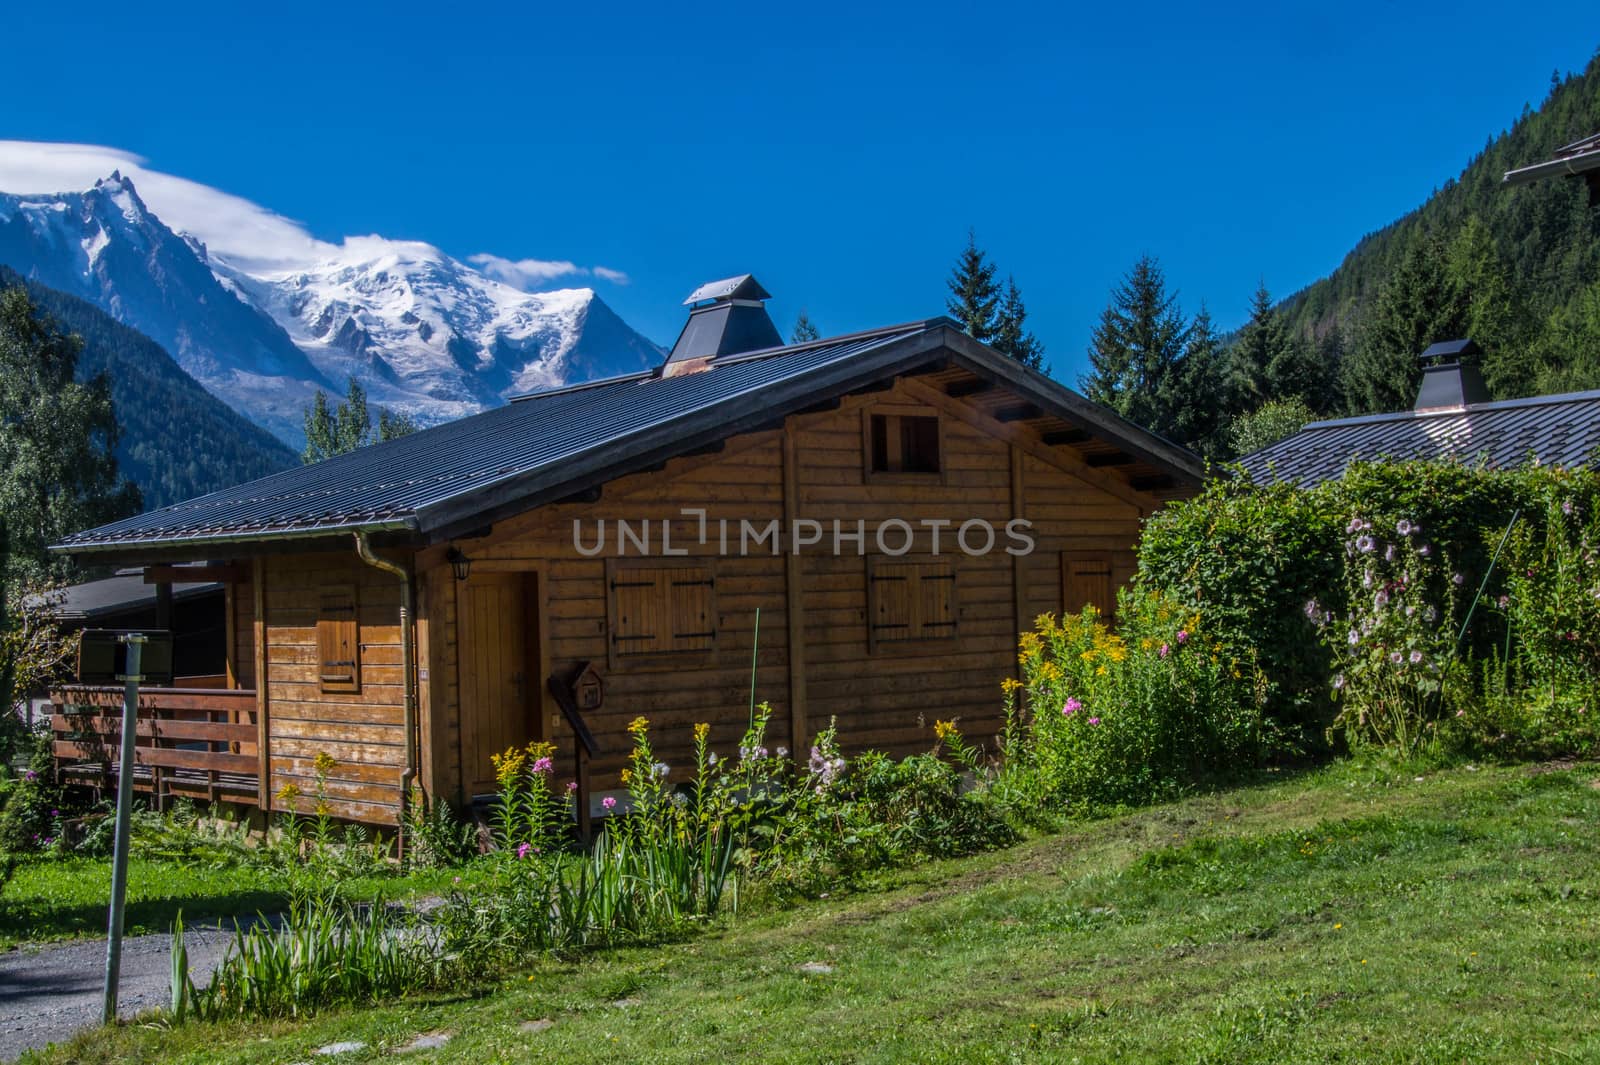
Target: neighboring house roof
{"points": [[462, 475], [1560, 430], [1579, 157], [121, 594]]}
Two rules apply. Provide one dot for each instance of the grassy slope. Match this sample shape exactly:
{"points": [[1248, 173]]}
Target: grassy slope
{"points": [[1354, 914]]}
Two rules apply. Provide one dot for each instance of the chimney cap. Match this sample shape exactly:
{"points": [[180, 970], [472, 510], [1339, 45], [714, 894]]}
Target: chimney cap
{"points": [[1452, 350], [743, 287]]}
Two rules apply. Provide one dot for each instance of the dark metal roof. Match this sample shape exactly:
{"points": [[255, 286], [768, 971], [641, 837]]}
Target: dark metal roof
{"points": [[461, 475], [119, 595], [1579, 157], [743, 287], [1561, 430]]}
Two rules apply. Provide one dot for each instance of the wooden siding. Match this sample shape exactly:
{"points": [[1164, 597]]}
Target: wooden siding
{"points": [[362, 730]]}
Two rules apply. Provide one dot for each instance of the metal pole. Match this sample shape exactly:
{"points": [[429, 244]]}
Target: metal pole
{"points": [[119, 861]]}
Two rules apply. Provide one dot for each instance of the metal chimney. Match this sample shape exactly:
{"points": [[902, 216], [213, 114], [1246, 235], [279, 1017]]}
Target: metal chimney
{"points": [[1449, 377], [725, 318]]}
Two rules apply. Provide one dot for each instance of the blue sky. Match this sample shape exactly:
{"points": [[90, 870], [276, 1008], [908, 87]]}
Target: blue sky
{"points": [[838, 151]]}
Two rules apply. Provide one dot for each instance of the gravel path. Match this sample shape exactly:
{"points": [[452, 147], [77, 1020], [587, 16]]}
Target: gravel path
{"points": [[49, 992]]}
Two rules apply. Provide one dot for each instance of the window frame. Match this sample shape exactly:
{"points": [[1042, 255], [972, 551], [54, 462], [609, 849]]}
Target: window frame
{"points": [[896, 411], [1108, 611], [922, 642], [621, 568]]}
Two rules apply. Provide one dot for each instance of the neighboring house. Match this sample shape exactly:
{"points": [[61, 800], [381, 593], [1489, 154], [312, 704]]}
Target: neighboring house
{"points": [[194, 611], [406, 608], [1581, 158], [1453, 419]]}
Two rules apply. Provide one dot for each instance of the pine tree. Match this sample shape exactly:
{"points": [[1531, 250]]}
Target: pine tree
{"points": [[1011, 336], [1197, 416], [1496, 309], [1262, 342], [1134, 349], [1417, 306], [974, 296], [804, 330], [348, 426], [58, 473]]}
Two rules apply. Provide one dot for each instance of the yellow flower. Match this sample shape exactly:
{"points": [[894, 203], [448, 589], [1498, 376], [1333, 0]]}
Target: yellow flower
{"points": [[324, 763], [945, 729], [288, 793], [627, 775], [701, 731], [1100, 671], [1010, 684], [639, 725]]}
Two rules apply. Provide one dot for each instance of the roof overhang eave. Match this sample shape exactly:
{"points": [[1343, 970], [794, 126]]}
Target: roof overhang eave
{"points": [[167, 544]]}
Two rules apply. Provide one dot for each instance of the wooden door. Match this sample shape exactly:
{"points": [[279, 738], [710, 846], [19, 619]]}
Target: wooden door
{"points": [[498, 660], [1086, 581]]}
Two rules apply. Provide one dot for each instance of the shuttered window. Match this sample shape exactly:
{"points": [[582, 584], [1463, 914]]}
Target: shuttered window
{"points": [[661, 609], [911, 601], [1086, 581], [338, 641]]}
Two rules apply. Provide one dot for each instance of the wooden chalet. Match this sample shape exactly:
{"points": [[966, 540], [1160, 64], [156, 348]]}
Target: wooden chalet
{"points": [[553, 568]]}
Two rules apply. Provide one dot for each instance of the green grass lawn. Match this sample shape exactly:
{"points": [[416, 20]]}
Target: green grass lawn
{"points": [[1348, 915], [49, 900]]}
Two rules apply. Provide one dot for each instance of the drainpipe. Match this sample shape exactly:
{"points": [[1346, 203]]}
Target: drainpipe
{"points": [[408, 656]]}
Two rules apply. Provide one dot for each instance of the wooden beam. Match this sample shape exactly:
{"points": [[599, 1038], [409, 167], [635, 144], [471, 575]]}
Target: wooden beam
{"points": [[1029, 441], [793, 596], [1151, 484], [230, 624], [1018, 412], [194, 574], [1019, 583], [1057, 437], [970, 387], [1115, 458], [263, 732]]}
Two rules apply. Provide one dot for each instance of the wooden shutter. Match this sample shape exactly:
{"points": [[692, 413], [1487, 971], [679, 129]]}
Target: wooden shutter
{"points": [[1086, 581], [661, 609], [637, 624], [688, 596], [936, 600], [911, 601], [338, 641], [891, 589]]}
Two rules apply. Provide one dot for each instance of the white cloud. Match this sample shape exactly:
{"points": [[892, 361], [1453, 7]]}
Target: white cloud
{"points": [[242, 234], [526, 274], [245, 234], [529, 274]]}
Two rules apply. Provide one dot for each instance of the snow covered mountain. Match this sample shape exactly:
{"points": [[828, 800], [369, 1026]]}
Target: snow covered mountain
{"points": [[263, 315]]}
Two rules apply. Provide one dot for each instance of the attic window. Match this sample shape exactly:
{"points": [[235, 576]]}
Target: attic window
{"points": [[903, 443]]}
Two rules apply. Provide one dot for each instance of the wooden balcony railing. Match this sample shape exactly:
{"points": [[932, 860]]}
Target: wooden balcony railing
{"points": [[195, 742]]}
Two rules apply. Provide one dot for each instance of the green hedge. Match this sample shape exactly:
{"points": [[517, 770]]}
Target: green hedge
{"points": [[1253, 556]]}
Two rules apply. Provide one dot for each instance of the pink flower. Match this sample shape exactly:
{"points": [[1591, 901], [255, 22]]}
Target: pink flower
{"points": [[523, 849], [1070, 707], [1094, 721], [1165, 650], [1183, 637], [608, 802], [543, 765], [572, 785]]}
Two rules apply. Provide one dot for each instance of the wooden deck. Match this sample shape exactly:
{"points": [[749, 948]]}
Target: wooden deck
{"points": [[192, 742]]}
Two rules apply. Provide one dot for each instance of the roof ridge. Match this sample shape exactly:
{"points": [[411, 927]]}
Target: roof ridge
{"points": [[1550, 400]]}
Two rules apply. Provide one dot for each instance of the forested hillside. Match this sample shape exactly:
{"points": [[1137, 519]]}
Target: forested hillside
{"points": [[178, 441], [1517, 269]]}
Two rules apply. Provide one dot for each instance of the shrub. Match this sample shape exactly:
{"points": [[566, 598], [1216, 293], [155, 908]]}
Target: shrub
{"points": [[1395, 649], [1249, 557], [1140, 714]]}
